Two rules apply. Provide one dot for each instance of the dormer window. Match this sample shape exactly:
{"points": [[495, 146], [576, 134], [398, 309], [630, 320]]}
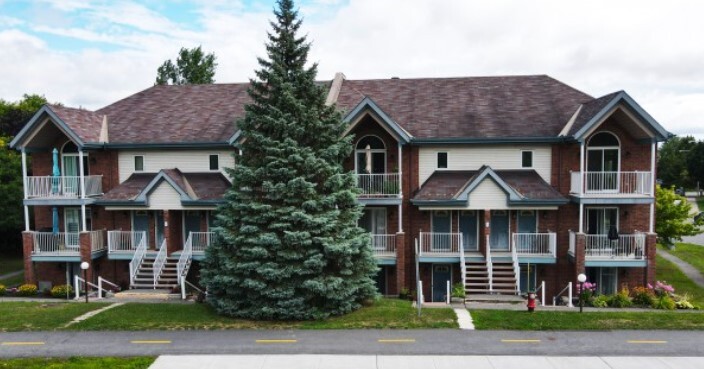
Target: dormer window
{"points": [[214, 162], [139, 163], [442, 160], [526, 159]]}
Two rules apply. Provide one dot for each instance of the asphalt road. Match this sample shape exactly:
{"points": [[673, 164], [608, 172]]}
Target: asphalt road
{"points": [[354, 342]]}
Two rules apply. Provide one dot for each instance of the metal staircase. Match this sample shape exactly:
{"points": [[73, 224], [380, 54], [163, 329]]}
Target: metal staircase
{"points": [[491, 277], [166, 274]]}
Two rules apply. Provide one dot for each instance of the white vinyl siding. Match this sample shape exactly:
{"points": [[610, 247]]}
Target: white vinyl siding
{"points": [[488, 195], [497, 157], [164, 197], [185, 160]]}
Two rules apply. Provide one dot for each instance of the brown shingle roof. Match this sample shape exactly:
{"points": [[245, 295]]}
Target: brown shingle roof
{"points": [[177, 114], [198, 186], [208, 186], [130, 188], [589, 110], [447, 185], [84, 123], [470, 107]]}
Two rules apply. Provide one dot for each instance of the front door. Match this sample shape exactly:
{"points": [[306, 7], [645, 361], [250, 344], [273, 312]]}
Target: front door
{"points": [[441, 275], [441, 240], [373, 220], [191, 223], [140, 223], [498, 237], [468, 227], [72, 225], [527, 223], [603, 165], [158, 228]]}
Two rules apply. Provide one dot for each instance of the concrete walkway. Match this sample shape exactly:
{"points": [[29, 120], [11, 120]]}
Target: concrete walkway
{"points": [[690, 271], [421, 362]]}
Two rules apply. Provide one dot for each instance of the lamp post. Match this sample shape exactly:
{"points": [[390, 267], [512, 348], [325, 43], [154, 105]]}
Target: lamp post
{"points": [[85, 266], [581, 278]]}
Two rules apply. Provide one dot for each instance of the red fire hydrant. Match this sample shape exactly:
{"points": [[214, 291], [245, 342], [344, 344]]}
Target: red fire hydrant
{"points": [[531, 301]]}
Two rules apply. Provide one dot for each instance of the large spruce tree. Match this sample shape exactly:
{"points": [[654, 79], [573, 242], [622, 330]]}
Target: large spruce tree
{"points": [[288, 245]]}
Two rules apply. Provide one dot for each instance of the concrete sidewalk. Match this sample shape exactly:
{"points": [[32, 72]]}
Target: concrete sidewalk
{"points": [[421, 362]]}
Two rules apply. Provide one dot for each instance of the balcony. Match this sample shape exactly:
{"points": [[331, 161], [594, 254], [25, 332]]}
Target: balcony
{"points": [[122, 244], [378, 186], [535, 244], [48, 245], [384, 245], [599, 250], [611, 184], [63, 187], [440, 244], [200, 241]]}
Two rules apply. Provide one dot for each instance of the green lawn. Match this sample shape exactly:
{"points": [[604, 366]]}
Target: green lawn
{"points": [[600, 320], [667, 271], [10, 264], [700, 203], [692, 254], [385, 313], [34, 316], [13, 281], [78, 363]]}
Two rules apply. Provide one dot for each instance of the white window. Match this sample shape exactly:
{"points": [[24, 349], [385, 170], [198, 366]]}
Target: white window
{"points": [[526, 159], [214, 162], [139, 163], [442, 160]]}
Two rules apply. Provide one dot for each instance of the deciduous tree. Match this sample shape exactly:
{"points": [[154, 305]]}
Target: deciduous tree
{"points": [[673, 218], [192, 67]]}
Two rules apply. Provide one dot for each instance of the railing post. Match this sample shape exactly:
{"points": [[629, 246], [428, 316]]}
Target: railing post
{"points": [[183, 287], [569, 294], [448, 292], [76, 287], [542, 294], [100, 287]]}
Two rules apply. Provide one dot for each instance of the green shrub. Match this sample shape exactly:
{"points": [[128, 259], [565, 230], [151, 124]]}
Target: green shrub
{"points": [[601, 301], [60, 291], [664, 302], [682, 302], [3, 290], [458, 290], [621, 299], [404, 294], [27, 290], [643, 296]]}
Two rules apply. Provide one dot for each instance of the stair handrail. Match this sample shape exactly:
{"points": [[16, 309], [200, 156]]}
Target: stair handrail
{"points": [[77, 288], [159, 262], [569, 294], [102, 280], [185, 258], [516, 268], [138, 256], [463, 266], [489, 266], [184, 283]]}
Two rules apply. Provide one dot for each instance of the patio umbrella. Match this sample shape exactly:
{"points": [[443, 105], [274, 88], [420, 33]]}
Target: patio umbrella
{"points": [[368, 157]]}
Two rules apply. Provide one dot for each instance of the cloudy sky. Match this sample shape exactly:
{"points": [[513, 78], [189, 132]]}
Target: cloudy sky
{"points": [[91, 53]]}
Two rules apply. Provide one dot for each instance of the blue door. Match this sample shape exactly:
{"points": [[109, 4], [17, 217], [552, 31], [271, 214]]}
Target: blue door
{"points": [[191, 223], [468, 227], [441, 274], [441, 240], [140, 223], [527, 224], [159, 231], [498, 237]]}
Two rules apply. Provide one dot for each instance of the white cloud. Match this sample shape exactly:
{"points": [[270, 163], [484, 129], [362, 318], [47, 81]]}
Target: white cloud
{"points": [[646, 48]]}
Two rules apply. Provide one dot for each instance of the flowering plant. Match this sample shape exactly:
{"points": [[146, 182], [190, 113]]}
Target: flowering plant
{"points": [[661, 288]]}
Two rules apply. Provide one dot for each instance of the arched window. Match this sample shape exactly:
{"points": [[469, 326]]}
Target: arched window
{"points": [[603, 162], [370, 155], [70, 161]]}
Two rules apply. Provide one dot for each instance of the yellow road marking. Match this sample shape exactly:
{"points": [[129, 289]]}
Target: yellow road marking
{"points": [[400, 340], [646, 342], [23, 343], [520, 341], [276, 341], [151, 342]]}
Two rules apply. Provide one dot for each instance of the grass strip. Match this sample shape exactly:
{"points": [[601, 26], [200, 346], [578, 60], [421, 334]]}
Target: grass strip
{"points": [[599, 320], [692, 254], [668, 271], [385, 313], [13, 281], [78, 363], [9, 264], [34, 316]]}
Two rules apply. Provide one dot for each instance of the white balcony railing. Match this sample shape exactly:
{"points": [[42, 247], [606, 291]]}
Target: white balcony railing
{"points": [[125, 241], [440, 243], [60, 243], [97, 240], [627, 246], [540, 244], [378, 185], [611, 183], [384, 244], [47, 187], [200, 240]]}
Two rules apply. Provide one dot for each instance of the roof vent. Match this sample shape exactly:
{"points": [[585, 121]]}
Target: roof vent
{"points": [[395, 78]]}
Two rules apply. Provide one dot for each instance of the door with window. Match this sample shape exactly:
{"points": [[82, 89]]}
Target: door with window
{"points": [[528, 277], [469, 227], [442, 273], [606, 279], [603, 163], [599, 222], [498, 235], [441, 239], [72, 227], [373, 220]]}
